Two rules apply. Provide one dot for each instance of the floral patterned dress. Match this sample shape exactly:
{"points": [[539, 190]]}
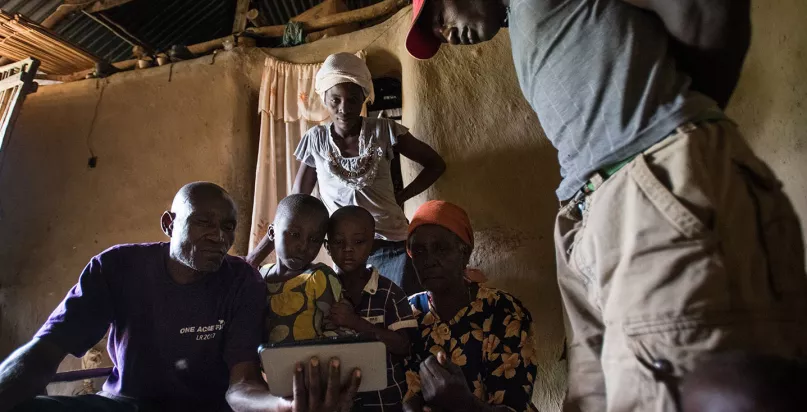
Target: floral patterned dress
{"points": [[490, 340]]}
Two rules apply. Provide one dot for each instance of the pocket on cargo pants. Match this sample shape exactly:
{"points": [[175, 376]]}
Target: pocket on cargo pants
{"points": [[703, 228], [701, 267], [779, 231], [662, 355]]}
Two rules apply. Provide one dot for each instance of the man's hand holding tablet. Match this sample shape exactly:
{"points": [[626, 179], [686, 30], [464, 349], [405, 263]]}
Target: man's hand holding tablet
{"points": [[311, 395]]}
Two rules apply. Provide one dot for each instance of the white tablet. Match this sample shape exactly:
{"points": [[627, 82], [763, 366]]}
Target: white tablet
{"points": [[279, 361]]}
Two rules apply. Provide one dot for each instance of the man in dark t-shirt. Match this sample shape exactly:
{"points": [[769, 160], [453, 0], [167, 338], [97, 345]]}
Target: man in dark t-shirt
{"points": [[184, 321]]}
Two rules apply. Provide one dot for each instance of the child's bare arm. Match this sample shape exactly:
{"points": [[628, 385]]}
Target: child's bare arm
{"points": [[397, 341], [343, 314], [264, 248]]}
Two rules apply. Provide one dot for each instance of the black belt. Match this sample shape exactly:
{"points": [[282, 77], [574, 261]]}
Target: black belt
{"points": [[379, 243]]}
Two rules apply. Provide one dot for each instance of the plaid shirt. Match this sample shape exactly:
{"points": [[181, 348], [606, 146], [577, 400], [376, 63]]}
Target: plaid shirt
{"points": [[383, 303]]}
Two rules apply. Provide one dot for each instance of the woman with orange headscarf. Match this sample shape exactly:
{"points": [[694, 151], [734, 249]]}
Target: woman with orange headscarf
{"points": [[474, 349]]}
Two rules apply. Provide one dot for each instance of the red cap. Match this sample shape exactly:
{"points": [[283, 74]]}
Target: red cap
{"points": [[421, 42]]}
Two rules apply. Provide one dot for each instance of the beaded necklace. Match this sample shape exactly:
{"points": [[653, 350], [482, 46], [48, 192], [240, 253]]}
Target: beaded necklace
{"points": [[355, 172]]}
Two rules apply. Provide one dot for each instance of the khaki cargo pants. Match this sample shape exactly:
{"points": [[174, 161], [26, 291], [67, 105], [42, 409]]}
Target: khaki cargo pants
{"points": [[690, 248]]}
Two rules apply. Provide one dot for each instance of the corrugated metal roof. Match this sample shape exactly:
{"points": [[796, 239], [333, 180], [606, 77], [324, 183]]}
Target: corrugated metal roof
{"points": [[159, 24], [36, 10], [95, 38], [78, 28]]}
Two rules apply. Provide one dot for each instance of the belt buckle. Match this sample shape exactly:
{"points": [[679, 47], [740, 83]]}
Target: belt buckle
{"points": [[596, 180], [580, 200]]}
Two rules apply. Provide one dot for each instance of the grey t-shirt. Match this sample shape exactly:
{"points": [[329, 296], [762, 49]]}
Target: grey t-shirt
{"points": [[600, 77]]}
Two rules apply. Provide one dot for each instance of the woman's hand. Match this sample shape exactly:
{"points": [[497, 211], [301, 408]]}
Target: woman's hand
{"points": [[309, 395], [417, 404], [443, 384]]}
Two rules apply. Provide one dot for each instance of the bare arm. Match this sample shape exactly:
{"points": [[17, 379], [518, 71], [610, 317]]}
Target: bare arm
{"points": [[343, 314], [423, 154], [397, 341], [264, 248], [306, 180], [712, 39], [248, 392], [26, 372]]}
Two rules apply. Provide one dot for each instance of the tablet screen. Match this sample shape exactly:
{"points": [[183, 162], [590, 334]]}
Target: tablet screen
{"points": [[370, 356]]}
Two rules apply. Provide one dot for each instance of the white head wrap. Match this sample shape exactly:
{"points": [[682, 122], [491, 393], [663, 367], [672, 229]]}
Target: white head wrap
{"points": [[344, 68]]}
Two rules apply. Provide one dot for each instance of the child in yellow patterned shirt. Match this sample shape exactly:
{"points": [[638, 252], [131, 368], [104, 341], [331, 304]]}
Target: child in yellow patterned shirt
{"points": [[300, 293]]}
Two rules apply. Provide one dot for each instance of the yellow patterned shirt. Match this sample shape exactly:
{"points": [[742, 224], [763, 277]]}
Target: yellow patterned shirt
{"points": [[297, 309]]}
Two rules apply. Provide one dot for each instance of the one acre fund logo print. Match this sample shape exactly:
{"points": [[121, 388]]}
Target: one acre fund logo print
{"points": [[203, 332]]}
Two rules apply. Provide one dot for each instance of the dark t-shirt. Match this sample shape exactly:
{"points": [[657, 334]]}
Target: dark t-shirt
{"points": [[172, 345]]}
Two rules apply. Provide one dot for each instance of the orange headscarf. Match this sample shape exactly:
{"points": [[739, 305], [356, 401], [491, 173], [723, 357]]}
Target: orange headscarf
{"points": [[451, 217], [445, 214]]}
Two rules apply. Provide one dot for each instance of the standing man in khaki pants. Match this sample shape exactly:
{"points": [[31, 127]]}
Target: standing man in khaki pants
{"points": [[674, 240]]}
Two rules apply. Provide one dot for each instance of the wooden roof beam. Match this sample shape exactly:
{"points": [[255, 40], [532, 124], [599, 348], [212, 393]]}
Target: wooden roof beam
{"points": [[118, 31], [324, 9], [256, 18], [241, 10], [71, 6], [384, 8]]}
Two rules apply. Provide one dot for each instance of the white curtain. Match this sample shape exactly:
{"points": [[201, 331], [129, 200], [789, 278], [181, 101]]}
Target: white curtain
{"points": [[288, 106]]}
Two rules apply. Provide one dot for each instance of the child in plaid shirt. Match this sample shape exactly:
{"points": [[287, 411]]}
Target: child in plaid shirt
{"points": [[371, 304]]}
